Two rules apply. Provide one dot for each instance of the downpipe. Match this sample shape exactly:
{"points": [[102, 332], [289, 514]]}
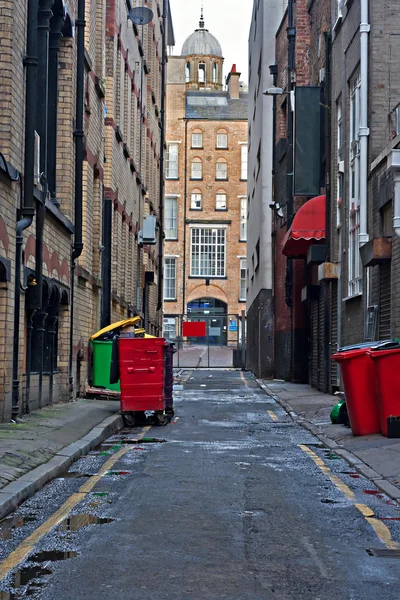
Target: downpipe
{"points": [[364, 130], [162, 142]]}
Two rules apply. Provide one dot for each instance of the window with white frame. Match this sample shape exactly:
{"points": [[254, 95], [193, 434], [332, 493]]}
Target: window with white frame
{"points": [[171, 218], [243, 169], [170, 278], [207, 252], [243, 277], [169, 328], [171, 161], [187, 72], [221, 169], [220, 200], [195, 200], [243, 219], [222, 139], [197, 139], [354, 266], [196, 171]]}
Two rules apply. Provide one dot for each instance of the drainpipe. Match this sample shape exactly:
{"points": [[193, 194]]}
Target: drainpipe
{"points": [[28, 206], [79, 154], [327, 101], [184, 226], [364, 131], [162, 139]]}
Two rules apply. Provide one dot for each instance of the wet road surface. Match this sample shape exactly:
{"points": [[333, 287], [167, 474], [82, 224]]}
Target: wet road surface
{"points": [[238, 503]]}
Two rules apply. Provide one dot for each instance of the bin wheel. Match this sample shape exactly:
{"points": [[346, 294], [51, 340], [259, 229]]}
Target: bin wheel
{"points": [[129, 419], [162, 419], [170, 412]]}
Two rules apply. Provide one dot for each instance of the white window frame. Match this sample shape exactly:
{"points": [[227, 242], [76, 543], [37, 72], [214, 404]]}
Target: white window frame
{"points": [[243, 279], [221, 201], [196, 200], [172, 161], [243, 162], [197, 140], [243, 219], [222, 140], [221, 173], [208, 252], [170, 278], [171, 218], [354, 260], [196, 169]]}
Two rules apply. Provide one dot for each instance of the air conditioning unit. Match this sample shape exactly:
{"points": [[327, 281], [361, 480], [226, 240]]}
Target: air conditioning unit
{"points": [[36, 166], [148, 235]]}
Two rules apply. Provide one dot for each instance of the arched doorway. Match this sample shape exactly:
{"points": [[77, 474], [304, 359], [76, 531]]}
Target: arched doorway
{"points": [[214, 313]]}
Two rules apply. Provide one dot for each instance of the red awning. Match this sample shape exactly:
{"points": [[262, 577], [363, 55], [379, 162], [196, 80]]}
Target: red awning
{"points": [[308, 228]]}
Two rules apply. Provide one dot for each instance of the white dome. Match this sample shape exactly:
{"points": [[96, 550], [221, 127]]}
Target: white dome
{"points": [[202, 42]]}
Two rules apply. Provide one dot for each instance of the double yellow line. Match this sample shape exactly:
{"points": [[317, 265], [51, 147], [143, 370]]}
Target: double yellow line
{"points": [[27, 545], [380, 528]]}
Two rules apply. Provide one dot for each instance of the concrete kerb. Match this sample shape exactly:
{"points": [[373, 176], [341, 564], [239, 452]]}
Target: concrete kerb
{"points": [[13, 494], [383, 484]]}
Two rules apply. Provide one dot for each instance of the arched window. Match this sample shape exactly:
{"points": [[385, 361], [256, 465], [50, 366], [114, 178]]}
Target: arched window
{"points": [[222, 139], [221, 169], [215, 73], [220, 200], [187, 72], [195, 200], [202, 73], [196, 171], [197, 138]]}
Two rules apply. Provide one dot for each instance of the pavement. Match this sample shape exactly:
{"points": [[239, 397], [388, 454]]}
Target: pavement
{"points": [[44, 444], [375, 456]]}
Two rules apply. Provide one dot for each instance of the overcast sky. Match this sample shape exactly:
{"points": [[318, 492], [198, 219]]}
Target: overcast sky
{"points": [[227, 20]]}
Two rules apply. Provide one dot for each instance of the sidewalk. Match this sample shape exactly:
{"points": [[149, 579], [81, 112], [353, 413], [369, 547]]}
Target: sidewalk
{"points": [[375, 456], [47, 442]]}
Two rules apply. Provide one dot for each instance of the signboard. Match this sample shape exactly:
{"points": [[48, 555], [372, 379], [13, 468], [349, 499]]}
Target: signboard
{"points": [[233, 325], [194, 329]]}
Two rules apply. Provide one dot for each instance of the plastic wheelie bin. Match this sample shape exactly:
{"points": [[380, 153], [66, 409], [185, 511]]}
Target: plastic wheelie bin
{"points": [[169, 379], [386, 364], [142, 378]]}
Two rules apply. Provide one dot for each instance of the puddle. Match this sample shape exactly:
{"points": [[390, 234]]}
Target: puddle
{"points": [[331, 455], [100, 494], [52, 555], [328, 501], [8, 525], [118, 472], [76, 475], [26, 574], [75, 522], [378, 494]]}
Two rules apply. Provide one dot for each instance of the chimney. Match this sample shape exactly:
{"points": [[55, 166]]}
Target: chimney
{"points": [[232, 81]]}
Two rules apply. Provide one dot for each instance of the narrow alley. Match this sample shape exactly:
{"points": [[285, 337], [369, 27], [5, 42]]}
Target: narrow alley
{"points": [[231, 500]]}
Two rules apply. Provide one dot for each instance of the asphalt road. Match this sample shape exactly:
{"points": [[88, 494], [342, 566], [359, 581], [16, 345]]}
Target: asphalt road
{"points": [[239, 503]]}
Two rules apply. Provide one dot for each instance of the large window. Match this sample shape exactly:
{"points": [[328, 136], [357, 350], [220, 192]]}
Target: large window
{"points": [[197, 139], [171, 161], [195, 201], [221, 169], [196, 171], [171, 218], [243, 219], [169, 328], [207, 252], [243, 169], [222, 139], [170, 278], [355, 277], [220, 200], [243, 271]]}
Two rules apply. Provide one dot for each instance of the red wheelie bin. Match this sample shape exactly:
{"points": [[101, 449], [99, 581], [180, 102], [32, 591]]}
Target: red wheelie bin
{"points": [[386, 365], [142, 377]]}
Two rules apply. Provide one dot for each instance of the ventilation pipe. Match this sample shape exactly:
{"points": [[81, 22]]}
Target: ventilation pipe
{"points": [[364, 131]]}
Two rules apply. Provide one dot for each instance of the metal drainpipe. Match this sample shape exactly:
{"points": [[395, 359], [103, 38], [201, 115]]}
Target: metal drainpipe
{"points": [[28, 206], [364, 131], [162, 141], [184, 227], [328, 139], [79, 153]]}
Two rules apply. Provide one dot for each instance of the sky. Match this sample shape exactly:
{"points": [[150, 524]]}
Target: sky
{"points": [[227, 20]]}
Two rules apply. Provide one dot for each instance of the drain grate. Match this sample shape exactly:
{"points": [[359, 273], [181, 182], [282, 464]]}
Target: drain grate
{"points": [[383, 553]]}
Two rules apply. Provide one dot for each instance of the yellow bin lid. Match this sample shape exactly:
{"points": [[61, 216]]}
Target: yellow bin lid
{"points": [[119, 325]]}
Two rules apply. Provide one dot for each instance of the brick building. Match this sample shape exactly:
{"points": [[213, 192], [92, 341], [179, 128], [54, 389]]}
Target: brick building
{"points": [[206, 187], [76, 169]]}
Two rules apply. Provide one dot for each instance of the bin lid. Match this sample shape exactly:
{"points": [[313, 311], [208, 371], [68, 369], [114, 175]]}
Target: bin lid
{"points": [[115, 326], [378, 345]]}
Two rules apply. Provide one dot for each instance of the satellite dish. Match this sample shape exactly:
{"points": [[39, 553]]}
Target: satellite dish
{"points": [[141, 15]]}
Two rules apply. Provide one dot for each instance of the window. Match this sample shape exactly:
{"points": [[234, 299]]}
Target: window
{"points": [[215, 73], [220, 201], [169, 328], [171, 161], [221, 170], [187, 72], [243, 219], [355, 273], [196, 169], [170, 278], [243, 276], [207, 252], [170, 218], [202, 73], [195, 203], [243, 169], [197, 139], [222, 139]]}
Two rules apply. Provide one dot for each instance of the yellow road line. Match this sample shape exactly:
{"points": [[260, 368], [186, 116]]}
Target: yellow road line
{"points": [[380, 528], [243, 378], [27, 545], [273, 416]]}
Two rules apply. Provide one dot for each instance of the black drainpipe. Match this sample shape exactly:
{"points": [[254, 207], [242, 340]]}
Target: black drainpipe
{"points": [[328, 139], [162, 142], [25, 216], [77, 246], [184, 227]]}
